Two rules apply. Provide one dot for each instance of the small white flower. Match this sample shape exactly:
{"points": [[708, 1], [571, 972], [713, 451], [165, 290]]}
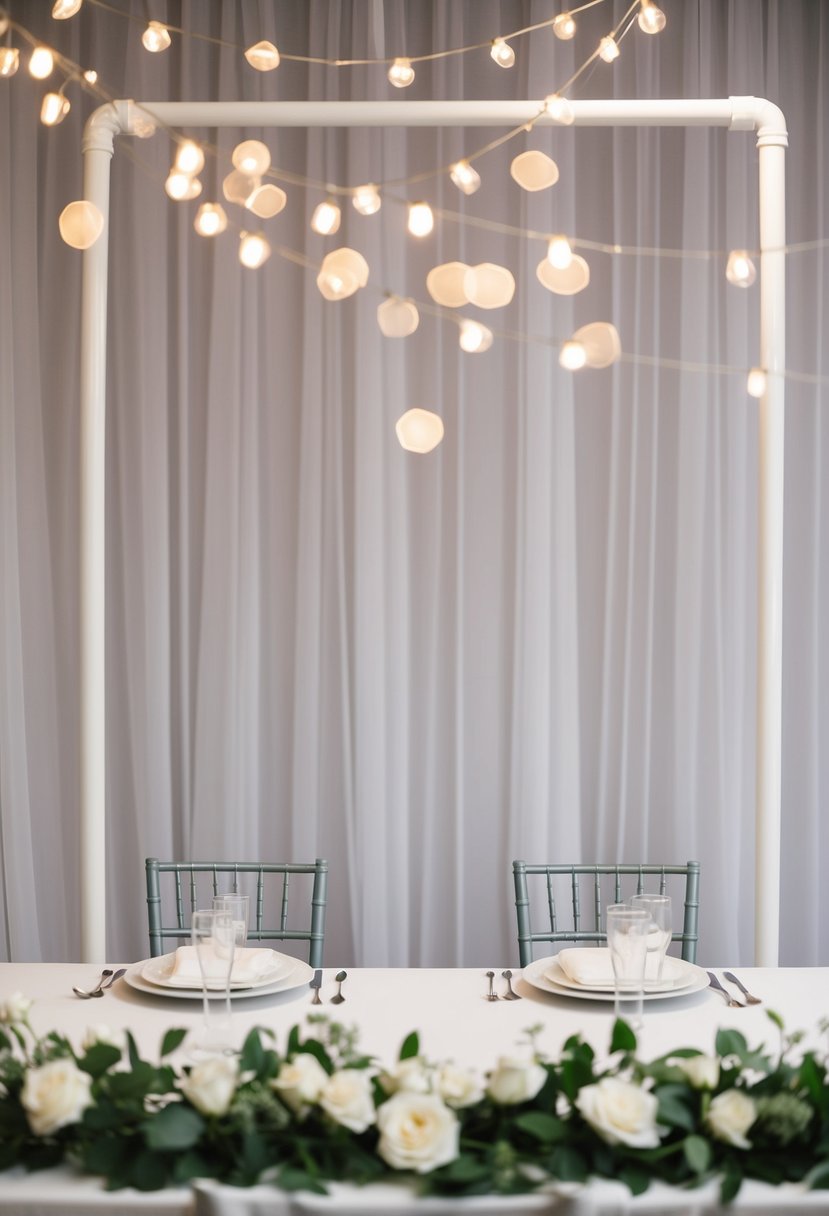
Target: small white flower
{"points": [[410, 1076], [417, 1132], [515, 1080], [347, 1097], [14, 1009], [702, 1072], [300, 1081], [55, 1095], [730, 1115], [459, 1087], [620, 1112], [101, 1033], [210, 1085]]}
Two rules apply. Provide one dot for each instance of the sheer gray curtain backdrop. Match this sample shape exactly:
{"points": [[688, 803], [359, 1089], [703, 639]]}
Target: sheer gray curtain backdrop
{"points": [[537, 641]]}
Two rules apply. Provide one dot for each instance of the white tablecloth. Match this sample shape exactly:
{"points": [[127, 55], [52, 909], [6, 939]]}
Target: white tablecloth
{"points": [[449, 1010]]}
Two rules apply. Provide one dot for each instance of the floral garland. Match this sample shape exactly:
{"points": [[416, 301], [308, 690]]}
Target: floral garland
{"points": [[320, 1110]]}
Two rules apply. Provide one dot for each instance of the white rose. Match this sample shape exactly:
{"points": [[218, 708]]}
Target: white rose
{"points": [[14, 1009], [730, 1115], [300, 1081], [515, 1080], [702, 1072], [55, 1095], [101, 1033], [347, 1097], [411, 1076], [417, 1132], [621, 1112], [210, 1085], [459, 1087]]}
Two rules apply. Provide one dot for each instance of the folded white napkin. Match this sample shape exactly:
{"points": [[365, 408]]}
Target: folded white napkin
{"points": [[248, 964], [592, 966]]}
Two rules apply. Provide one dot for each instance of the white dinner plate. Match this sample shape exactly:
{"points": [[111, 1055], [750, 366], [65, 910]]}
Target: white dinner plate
{"points": [[160, 971], [682, 975], [537, 975], [298, 975]]}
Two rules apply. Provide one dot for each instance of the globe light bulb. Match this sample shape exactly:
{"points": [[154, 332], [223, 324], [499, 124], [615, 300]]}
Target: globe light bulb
{"points": [[651, 19], [502, 53], [740, 270], [419, 431], [756, 382], [9, 60], [80, 224], [572, 355], [181, 187], [41, 63], [366, 199], [564, 26], [559, 109], [210, 219], [156, 37], [401, 73], [326, 218], [189, 157], [421, 219], [474, 338], [465, 177], [90, 76], [263, 56], [266, 201], [397, 318], [254, 250], [559, 252], [62, 9], [608, 49], [251, 157], [53, 109]]}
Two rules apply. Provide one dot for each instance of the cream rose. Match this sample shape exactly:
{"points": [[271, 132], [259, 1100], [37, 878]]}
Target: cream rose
{"points": [[702, 1072], [410, 1076], [210, 1085], [730, 1115], [55, 1095], [515, 1080], [620, 1112], [14, 1009], [417, 1132], [347, 1097], [459, 1087], [300, 1081]]}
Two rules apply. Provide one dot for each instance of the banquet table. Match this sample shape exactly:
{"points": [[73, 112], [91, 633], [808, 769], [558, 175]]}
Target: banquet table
{"points": [[450, 1011]]}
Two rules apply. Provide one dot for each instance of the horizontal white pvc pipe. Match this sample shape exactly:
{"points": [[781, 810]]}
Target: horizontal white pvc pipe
{"points": [[736, 113]]}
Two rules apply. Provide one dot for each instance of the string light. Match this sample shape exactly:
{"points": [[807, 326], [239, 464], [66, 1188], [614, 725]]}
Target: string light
{"points": [[419, 431], [573, 355], [181, 187], [564, 26], [62, 9], [156, 37], [189, 157], [740, 270], [263, 56], [502, 53], [651, 19], [4, 22], [488, 285], [41, 63], [80, 224], [559, 252], [343, 272], [254, 250], [401, 73], [397, 318], [266, 201], [559, 109], [366, 199], [210, 220], [9, 60], [251, 157], [474, 338], [608, 49], [600, 341], [90, 76], [54, 109], [326, 218], [756, 382], [568, 282], [421, 219], [465, 177], [446, 284]]}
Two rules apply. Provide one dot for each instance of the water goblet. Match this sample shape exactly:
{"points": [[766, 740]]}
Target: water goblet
{"points": [[658, 908], [239, 908], [214, 938], [627, 933]]}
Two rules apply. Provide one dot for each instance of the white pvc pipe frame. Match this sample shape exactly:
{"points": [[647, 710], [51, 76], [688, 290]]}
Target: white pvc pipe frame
{"points": [[735, 114]]}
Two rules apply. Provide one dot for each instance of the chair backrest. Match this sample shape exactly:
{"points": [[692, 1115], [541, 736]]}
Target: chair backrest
{"points": [[583, 885], [185, 897]]}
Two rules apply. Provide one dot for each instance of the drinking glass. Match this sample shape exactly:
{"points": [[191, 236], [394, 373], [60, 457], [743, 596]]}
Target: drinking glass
{"points": [[658, 908], [239, 908], [627, 938], [214, 937]]}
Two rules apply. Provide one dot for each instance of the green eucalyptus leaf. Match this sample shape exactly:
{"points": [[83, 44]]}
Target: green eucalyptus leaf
{"points": [[697, 1152], [540, 1125], [174, 1128], [172, 1039], [635, 1178], [567, 1165], [99, 1058], [623, 1038], [730, 1185], [410, 1047], [292, 1179], [253, 1053], [673, 1106]]}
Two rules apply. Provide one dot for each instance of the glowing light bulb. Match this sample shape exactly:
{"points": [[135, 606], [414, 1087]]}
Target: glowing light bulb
{"points": [[397, 318], [740, 269], [651, 19], [189, 157], [559, 109], [401, 73], [156, 37], [559, 252], [62, 9], [210, 219], [263, 56], [266, 201], [4, 22], [254, 250], [182, 187], [251, 157], [326, 218], [502, 53], [421, 219], [9, 60], [80, 224], [465, 177], [608, 49], [54, 109], [41, 63], [90, 76], [474, 338], [367, 199], [419, 430], [564, 26], [572, 355], [756, 382]]}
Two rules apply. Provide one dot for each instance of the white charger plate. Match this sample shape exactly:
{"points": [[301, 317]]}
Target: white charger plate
{"points": [[299, 974], [537, 974], [682, 976], [160, 971]]}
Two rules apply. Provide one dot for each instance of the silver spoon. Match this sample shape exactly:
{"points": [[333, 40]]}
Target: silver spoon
{"points": [[510, 994], [98, 990], [338, 998]]}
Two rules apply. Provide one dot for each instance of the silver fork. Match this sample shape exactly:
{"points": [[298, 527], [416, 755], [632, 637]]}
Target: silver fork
{"points": [[715, 983], [750, 1000]]}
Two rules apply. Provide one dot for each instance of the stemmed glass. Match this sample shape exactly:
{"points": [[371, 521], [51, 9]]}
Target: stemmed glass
{"points": [[627, 937], [214, 936], [239, 908], [658, 908]]}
